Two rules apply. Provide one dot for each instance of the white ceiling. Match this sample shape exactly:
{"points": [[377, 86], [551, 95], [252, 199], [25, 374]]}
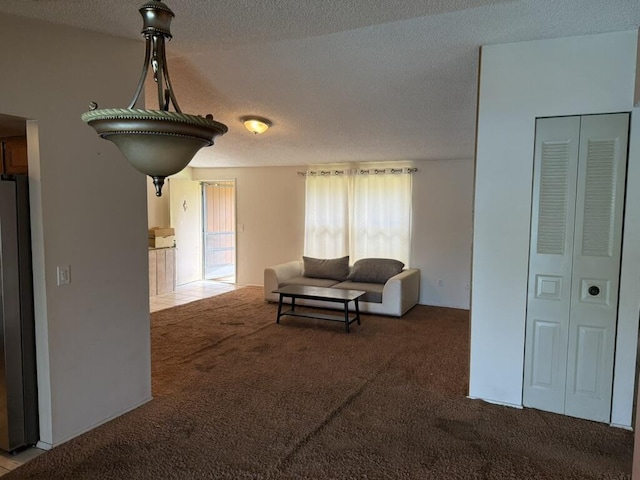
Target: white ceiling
{"points": [[341, 80]]}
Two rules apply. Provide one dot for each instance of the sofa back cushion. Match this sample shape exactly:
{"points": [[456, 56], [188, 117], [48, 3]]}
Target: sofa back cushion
{"points": [[310, 282], [333, 268], [375, 270]]}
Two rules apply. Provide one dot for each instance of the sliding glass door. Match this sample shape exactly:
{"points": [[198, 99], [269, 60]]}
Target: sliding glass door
{"points": [[219, 225]]}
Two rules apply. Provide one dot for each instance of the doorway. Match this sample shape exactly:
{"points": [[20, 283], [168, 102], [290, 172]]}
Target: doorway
{"points": [[574, 264], [219, 230]]}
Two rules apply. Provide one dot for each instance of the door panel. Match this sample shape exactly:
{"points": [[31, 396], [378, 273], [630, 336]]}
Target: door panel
{"points": [[596, 265], [545, 353], [548, 296], [589, 358]]}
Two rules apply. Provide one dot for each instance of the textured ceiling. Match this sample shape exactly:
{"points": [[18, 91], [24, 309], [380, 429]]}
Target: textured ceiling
{"points": [[341, 80]]}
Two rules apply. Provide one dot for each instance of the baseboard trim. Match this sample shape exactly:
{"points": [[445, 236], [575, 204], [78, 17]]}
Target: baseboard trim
{"points": [[624, 427], [47, 446], [495, 402], [520, 407], [43, 445]]}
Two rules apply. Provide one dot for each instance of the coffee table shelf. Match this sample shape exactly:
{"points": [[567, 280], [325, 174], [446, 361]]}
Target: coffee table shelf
{"points": [[319, 293]]}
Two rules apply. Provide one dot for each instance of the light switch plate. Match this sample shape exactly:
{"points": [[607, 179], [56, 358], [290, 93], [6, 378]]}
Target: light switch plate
{"points": [[64, 275]]}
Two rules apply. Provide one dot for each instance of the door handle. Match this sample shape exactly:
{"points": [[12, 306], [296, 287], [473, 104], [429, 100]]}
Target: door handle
{"points": [[593, 290]]}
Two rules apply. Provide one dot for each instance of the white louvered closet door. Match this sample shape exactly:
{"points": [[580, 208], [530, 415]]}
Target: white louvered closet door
{"points": [[550, 262], [596, 265], [574, 265]]}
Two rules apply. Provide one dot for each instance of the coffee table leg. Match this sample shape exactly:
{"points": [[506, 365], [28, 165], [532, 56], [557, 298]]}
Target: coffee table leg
{"points": [[346, 315], [279, 309], [357, 311]]}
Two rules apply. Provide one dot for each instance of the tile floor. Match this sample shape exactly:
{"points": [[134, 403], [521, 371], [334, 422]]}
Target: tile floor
{"points": [[183, 294], [9, 461], [189, 292]]}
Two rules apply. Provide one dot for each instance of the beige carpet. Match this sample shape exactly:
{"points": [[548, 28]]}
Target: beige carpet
{"points": [[237, 396]]}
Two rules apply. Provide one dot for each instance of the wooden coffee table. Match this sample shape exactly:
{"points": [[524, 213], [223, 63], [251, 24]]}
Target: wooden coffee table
{"points": [[319, 293]]}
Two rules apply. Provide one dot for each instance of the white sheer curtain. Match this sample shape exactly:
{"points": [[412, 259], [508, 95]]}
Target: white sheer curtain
{"points": [[361, 215], [381, 217], [326, 216]]}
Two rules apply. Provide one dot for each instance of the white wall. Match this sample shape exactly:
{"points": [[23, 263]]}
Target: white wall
{"points": [[186, 218], [441, 240], [158, 207], [519, 82], [269, 216], [89, 212], [636, 96], [270, 205]]}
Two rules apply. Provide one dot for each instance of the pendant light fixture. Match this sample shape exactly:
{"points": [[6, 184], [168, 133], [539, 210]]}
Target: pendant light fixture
{"points": [[159, 142]]}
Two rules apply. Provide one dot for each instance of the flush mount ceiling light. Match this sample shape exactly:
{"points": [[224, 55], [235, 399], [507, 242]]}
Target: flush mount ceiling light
{"points": [[256, 124], [159, 142]]}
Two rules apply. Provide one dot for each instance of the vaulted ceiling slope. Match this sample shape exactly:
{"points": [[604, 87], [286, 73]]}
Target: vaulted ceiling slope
{"points": [[341, 80]]}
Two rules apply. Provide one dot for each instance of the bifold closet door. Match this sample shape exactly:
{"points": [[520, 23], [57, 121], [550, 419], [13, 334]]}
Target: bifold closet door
{"points": [[550, 261], [574, 265], [596, 265]]}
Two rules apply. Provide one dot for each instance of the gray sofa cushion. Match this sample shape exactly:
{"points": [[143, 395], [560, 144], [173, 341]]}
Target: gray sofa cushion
{"points": [[375, 270], [373, 290], [333, 268], [311, 282]]}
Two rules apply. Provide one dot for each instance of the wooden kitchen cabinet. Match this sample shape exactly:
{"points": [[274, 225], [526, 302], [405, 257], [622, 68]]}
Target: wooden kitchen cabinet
{"points": [[14, 155], [162, 270]]}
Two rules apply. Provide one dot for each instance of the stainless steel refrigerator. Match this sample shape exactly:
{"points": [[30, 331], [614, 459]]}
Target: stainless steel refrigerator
{"points": [[18, 386]]}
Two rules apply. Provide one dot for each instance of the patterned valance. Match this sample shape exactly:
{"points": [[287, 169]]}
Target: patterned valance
{"points": [[358, 171]]}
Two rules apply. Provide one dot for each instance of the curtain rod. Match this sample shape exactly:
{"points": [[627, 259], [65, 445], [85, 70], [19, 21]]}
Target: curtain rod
{"points": [[358, 171]]}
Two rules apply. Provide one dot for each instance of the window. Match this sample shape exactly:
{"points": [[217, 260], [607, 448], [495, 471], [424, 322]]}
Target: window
{"points": [[326, 216], [363, 214]]}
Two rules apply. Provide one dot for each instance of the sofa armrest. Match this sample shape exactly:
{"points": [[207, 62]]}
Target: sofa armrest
{"points": [[275, 275], [402, 291]]}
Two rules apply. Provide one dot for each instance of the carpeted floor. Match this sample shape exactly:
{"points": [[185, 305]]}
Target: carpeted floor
{"points": [[237, 396]]}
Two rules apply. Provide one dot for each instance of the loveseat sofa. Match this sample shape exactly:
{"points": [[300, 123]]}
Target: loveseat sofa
{"points": [[390, 288]]}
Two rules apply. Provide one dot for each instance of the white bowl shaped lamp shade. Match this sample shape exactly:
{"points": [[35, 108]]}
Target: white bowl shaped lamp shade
{"points": [[256, 125]]}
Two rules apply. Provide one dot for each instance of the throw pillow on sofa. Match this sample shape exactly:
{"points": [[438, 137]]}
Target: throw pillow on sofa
{"points": [[333, 268], [375, 270]]}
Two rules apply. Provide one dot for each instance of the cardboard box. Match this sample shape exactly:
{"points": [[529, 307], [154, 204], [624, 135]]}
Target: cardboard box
{"points": [[162, 242], [162, 237], [161, 232]]}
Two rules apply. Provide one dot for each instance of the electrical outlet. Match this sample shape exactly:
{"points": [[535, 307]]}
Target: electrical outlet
{"points": [[64, 275], [440, 283], [467, 286]]}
